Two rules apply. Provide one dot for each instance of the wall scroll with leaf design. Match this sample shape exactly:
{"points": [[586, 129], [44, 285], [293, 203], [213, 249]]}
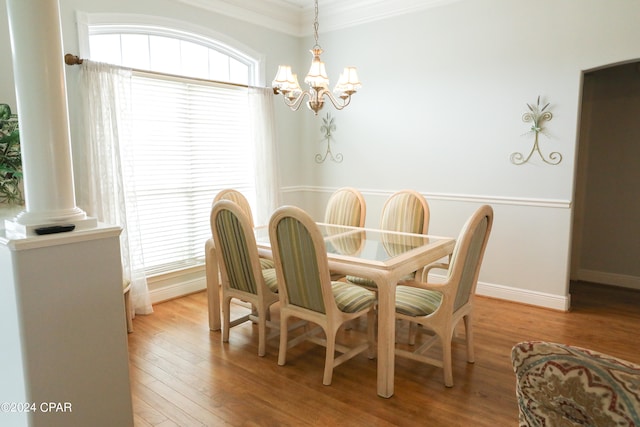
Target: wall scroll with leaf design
{"points": [[537, 116], [327, 128]]}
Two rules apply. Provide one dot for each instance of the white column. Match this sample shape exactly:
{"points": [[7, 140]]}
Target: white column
{"points": [[38, 68], [62, 317]]}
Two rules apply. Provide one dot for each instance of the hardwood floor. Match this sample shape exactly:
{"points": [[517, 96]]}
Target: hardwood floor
{"points": [[183, 375]]}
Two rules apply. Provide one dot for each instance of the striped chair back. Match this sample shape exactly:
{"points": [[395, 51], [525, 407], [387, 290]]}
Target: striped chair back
{"points": [[406, 211], [235, 244], [239, 199], [299, 248], [346, 207], [307, 293], [467, 255]]}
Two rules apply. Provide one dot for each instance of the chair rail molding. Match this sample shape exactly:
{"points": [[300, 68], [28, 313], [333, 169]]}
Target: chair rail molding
{"points": [[469, 198]]}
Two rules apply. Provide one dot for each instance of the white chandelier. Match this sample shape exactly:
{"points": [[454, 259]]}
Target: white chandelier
{"points": [[286, 83]]}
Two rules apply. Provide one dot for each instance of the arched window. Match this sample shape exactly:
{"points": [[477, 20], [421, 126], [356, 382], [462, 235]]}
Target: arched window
{"points": [[190, 134], [168, 51]]}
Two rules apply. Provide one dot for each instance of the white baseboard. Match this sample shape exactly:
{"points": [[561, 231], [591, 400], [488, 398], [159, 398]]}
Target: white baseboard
{"points": [[177, 290], [622, 280], [525, 296]]}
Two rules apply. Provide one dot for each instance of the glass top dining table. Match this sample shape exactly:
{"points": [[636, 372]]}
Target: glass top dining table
{"points": [[382, 256], [367, 245]]}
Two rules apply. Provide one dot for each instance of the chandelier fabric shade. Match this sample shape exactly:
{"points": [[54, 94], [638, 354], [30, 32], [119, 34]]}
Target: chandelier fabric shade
{"points": [[317, 75], [348, 82], [286, 82]]}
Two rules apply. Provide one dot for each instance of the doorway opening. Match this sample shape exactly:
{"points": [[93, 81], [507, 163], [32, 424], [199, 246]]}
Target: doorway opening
{"points": [[605, 245]]}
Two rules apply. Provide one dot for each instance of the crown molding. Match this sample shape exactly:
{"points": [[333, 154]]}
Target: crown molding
{"points": [[276, 15], [295, 17], [344, 14]]}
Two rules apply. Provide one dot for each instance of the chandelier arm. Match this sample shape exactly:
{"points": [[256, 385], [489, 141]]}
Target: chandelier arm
{"points": [[297, 102], [337, 104]]}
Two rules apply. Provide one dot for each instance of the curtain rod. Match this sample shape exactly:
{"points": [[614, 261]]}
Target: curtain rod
{"points": [[71, 59]]}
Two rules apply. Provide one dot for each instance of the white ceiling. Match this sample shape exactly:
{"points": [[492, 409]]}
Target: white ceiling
{"points": [[296, 16]]}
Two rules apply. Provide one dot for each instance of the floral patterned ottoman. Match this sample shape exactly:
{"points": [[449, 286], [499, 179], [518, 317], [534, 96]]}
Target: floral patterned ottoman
{"points": [[559, 385]]}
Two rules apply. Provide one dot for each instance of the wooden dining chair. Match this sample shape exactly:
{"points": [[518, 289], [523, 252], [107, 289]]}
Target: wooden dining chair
{"points": [[346, 206], [404, 211], [439, 307], [306, 291], [242, 275], [239, 198]]}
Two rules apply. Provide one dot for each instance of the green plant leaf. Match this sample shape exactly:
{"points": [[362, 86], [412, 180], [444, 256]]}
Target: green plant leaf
{"points": [[10, 158]]}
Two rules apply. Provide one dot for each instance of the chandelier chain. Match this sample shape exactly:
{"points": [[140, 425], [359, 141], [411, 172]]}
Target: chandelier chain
{"points": [[315, 23]]}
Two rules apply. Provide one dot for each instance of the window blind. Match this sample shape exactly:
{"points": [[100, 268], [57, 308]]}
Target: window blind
{"points": [[190, 139]]}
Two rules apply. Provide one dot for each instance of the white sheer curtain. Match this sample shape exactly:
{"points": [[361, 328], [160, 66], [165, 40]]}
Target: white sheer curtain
{"points": [[103, 182], [262, 119]]}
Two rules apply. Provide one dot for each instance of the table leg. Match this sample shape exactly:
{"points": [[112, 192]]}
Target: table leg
{"points": [[386, 338], [213, 285]]}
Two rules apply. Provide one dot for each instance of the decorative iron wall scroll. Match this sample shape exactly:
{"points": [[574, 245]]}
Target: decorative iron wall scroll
{"points": [[327, 128], [537, 116]]}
